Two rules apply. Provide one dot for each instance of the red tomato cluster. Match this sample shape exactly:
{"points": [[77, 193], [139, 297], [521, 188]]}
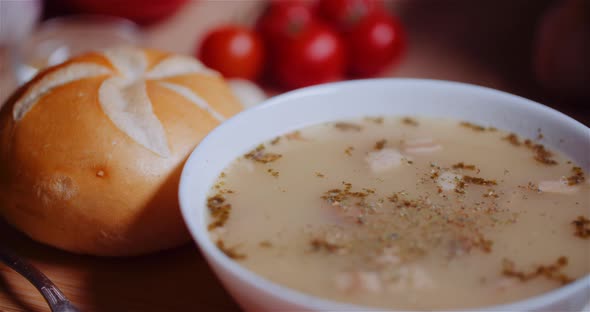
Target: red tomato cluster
{"points": [[297, 43]]}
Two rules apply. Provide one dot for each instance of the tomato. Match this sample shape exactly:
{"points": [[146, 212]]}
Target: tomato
{"points": [[234, 51], [283, 19], [316, 55], [343, 14], [374, 43]]}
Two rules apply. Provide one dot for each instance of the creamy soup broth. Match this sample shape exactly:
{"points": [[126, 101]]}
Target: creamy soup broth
{"points": [[406, 213]]}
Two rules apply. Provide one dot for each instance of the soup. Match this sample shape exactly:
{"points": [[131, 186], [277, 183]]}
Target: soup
{"points": [[405, 213]]}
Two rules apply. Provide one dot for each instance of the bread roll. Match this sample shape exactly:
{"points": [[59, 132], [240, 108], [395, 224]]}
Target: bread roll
{"points": [[91, 150]]}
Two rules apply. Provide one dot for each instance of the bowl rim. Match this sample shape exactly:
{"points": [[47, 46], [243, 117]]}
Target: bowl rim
{"points": [[213, 254]]}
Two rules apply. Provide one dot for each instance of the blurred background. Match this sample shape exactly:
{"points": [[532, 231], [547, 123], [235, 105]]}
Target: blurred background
{"points": [[537, 49], [534, 48]]}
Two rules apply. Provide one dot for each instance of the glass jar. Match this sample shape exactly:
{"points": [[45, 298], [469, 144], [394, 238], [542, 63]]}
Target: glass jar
{"points": [[60, 38]]}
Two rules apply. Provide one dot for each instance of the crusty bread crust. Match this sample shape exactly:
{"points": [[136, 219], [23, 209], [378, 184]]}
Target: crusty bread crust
{"points": [[72, 176]]}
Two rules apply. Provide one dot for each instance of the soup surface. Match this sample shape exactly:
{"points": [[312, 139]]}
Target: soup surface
{"points": [[406, 213]]}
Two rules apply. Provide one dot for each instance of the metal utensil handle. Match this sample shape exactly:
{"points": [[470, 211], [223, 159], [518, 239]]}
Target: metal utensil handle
{"points": [[54, 297]]}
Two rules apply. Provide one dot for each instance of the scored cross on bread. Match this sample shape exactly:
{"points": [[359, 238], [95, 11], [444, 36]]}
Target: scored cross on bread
{"points": [[123, 96], [91, 150]]}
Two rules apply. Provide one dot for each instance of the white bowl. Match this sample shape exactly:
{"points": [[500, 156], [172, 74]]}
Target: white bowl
{"points": [[288, 112]]}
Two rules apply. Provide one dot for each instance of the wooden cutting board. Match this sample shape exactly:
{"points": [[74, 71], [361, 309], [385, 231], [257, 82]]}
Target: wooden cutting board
{"points": [[453, 40], [176, 280]]}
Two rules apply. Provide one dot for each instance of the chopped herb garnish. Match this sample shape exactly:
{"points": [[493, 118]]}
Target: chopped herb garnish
{"points": [[577, 177], [294, 136], [318, 244], [461, 165], [259, 155], [273, 172], [380, 144], [275, 141], [376, 120], [265, 244], [582, 225], [219, 210], [551, 272], [478, 181], [512, 139], [410, 121], [472, 126], [347, 126], [230, 252], [542, 155], [348, 150]]}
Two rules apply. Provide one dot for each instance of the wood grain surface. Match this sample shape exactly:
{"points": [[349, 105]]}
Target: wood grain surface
{"points": [[454, 40]]}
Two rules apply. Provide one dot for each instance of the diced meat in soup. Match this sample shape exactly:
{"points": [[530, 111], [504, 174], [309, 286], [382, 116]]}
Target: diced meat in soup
{"points": [[401, 213], [384, 160], [421, 146], [557, 186]]}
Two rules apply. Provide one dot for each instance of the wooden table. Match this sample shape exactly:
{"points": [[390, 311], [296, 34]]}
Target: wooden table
{"points": [[453, 40]]}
